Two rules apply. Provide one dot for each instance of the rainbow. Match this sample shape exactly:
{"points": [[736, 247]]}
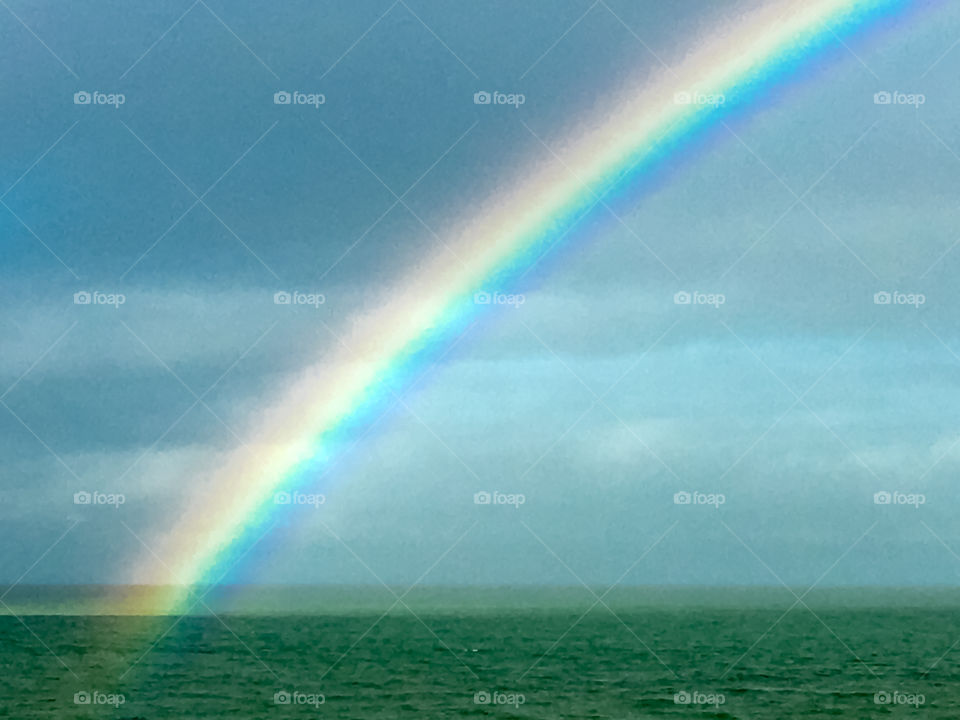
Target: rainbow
{"points": [[326, 406]]}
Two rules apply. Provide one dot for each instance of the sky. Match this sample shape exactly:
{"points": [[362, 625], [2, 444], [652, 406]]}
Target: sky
{"points": [[787, 399]]}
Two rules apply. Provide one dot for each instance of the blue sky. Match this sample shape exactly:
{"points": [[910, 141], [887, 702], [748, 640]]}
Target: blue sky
{"points": [[797, 399]]}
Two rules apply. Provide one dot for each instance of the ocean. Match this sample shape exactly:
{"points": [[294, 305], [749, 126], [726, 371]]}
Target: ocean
{"points": [[492, 653]]}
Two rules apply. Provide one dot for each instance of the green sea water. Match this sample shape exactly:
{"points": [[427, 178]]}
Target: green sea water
{"points": [[745, 653]]}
